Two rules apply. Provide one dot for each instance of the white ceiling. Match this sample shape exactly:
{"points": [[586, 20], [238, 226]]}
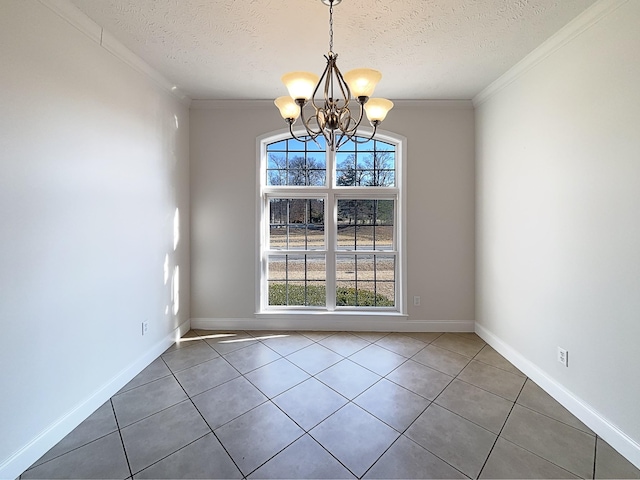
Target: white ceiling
{"points": [[239, 49]]}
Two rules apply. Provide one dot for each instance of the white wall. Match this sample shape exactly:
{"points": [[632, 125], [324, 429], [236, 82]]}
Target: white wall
{"points": [[558, 215], [440, 210], [93, 165]]}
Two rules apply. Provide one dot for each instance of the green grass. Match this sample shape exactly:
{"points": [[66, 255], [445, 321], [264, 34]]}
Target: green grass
{"points": [[316, 296]]}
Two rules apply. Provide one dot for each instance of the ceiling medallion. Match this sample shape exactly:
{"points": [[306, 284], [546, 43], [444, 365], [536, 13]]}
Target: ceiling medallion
{"points": [[331, 115]]}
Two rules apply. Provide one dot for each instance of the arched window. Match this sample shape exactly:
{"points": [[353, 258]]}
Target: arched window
{"points": [[331, 225]]}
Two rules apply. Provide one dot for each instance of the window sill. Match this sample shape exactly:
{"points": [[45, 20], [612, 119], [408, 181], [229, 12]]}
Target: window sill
{"points": [[335, 315]]}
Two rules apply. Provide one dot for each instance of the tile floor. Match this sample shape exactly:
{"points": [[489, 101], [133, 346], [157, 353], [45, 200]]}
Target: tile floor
{"points": [[331, 405]]}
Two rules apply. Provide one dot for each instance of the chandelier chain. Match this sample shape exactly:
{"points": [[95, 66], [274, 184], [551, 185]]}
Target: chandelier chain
{"points": [[331, 27]]}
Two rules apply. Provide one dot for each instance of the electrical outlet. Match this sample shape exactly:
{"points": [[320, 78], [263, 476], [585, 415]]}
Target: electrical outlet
{"points": [[145, 327], [563, 356], [416, 301]]}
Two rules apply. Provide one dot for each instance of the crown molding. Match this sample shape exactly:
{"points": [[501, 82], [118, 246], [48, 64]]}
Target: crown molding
{"points": [[70, 13], [566, 34]]}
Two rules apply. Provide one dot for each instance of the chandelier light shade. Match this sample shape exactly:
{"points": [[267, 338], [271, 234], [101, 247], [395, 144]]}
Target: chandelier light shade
{"points": [[300, 84], [362, 81], [288, 107], [332, 115], [377, 109]]}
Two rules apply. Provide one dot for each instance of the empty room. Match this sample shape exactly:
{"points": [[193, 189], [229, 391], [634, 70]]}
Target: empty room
{"points": [[320, 239]]}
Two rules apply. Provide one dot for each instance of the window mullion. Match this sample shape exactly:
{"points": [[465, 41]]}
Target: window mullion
{"points": [[331, 239]]}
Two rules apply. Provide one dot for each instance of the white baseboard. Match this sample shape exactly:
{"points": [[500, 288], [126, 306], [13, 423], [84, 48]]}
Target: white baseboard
{"points": [[17, 463], [350, 323], [615, 437]]}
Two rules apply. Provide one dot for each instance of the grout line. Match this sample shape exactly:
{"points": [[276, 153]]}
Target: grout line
{"points": [[126, 456], [595, 455], [555, 419], [501, 429], [168, 455], [207, 424]]}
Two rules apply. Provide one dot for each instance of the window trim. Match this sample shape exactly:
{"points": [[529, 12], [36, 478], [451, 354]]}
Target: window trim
{"points": [[331, 194]]}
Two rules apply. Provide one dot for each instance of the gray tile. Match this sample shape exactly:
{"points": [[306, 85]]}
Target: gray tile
{"points": [[420, 379], [610, 464], [354, 437], [184, 342], [147, 399], [314, 358], [481, 407], [205, 458], [309, 403], [227, 342], [393, 404], [205, 375], [406, 459], [490, 356], [162, 434], [492, 379], [288, 344], [264, 334], [401, 344], [554, 441], [98, 424], [535, 398], [303, 459], [156, 369], [457, 441], [276, 377], [510, 461], [255, 437], [470, 336], [459, 344], [188, 357], [348, 378], [251, 357], [228, 401], [103, 458], [191, 333], [425, 337], [442, 360], [371, 336], [344, 344], [316, 336], [222, 334], [377, 359]]}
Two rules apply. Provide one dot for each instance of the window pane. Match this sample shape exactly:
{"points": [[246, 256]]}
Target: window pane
{"points": [[365, 224], [365, 280], [296, 145], [367, 146], [385, 276], [346, 269], [384, 146], [296, 163], [277, 146], [296, 223], [371, 164], [319, 145], [297, 280], [297, 169]]}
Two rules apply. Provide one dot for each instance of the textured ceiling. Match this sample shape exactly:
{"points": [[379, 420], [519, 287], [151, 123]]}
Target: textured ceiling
{"points": [[239, 49]]}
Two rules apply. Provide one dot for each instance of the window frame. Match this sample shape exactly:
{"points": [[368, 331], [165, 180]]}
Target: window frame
{"points": [[331, 193]]}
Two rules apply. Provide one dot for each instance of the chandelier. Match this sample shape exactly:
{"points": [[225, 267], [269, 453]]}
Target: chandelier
{"points": [[332, 116]]}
